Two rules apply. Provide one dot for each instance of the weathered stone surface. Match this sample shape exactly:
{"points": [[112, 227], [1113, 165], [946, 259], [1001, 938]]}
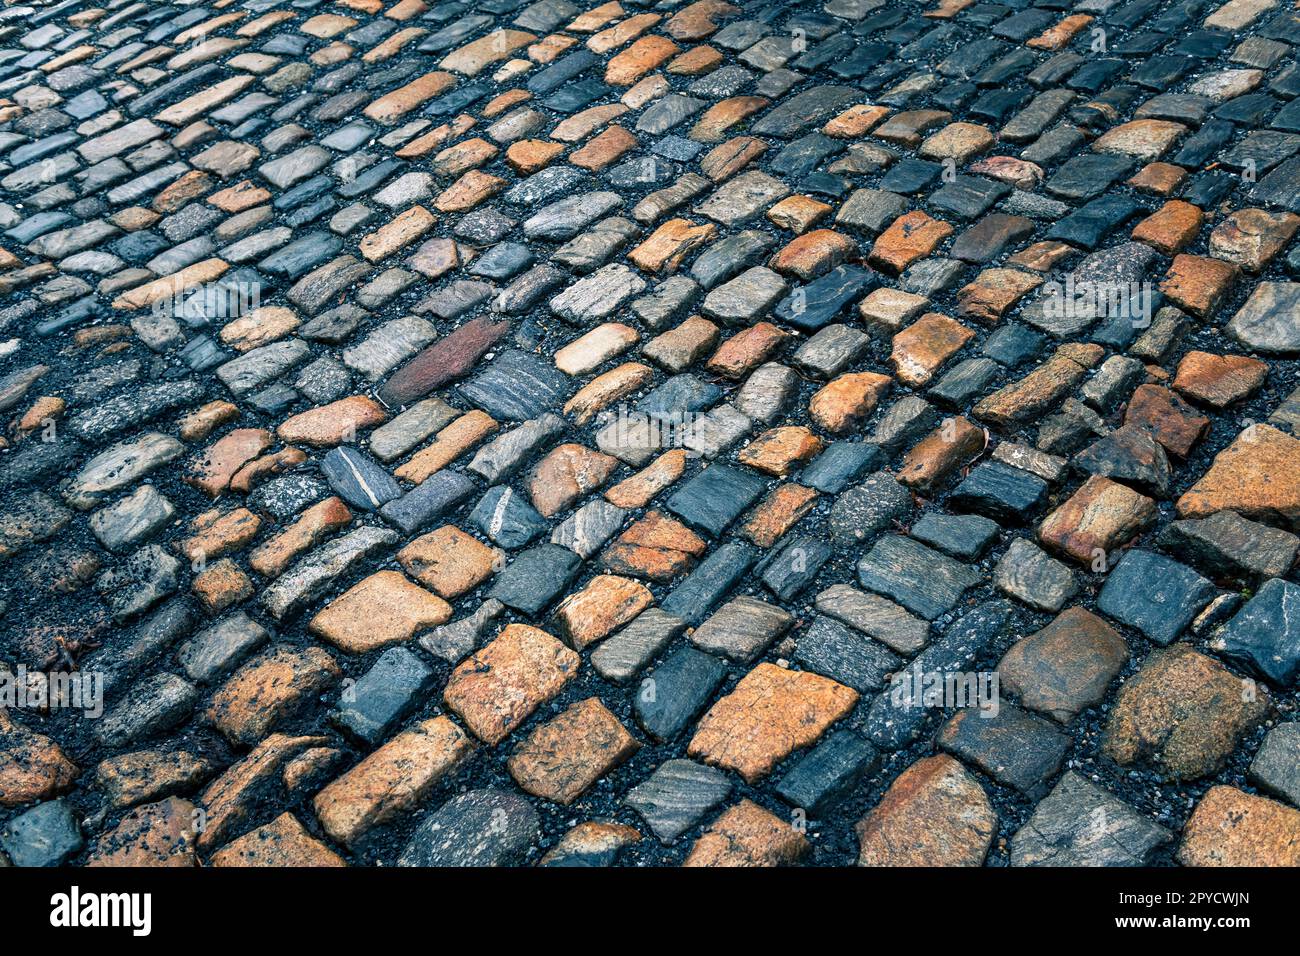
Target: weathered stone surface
{"points": [[1182, 711], [1082, 824], [934, 814], [1232, 828]]}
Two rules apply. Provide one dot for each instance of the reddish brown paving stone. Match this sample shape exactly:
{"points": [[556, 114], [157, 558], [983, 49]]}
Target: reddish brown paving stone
{"points": [[855, 122], [567, 473], [954, 444], [282, 842], [604, 149], [449, 562], [778, 513], [563, 758], [1027, 398], [771, 713], [1170, 420], [934, 814], [748, 835], [1183, 712], [272, 556], [1018, 172], [777, 450], [602, 607], [719, 120], [32, 766], [923, 347], [1171, 228], [1160, 179], [1059, 34], [332, 424], [268, 689], [1097, 520], [267, 466], [655, 547], [725, 160], [529, 155], [1219, 380], [392, 106], [910, 237], [1233, 828], [385, 608], [1066, 667], [814, 253], [394, 779], [1258, 476], [468, 191], [646, 54], [994, 292], [200, 423], [696, 61], [848, 400], [495, 689], [157, 834], [746, 350], [1199, 285]]}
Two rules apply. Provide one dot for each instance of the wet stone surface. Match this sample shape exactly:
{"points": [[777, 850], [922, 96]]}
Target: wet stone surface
{"points": [[597, 433]]}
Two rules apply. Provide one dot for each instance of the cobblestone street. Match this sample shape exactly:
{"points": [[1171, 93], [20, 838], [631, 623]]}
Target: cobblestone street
{"points": [[650, 434]]}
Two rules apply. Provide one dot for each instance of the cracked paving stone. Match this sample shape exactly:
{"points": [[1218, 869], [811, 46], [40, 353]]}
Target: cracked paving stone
{"points": [[1082, 824]]}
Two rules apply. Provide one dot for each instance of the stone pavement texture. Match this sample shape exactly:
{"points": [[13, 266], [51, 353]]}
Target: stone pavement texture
{"points": [[576, 433]]}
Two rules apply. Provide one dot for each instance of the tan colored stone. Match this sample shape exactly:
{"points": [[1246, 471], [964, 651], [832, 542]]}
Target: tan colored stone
{"points": [[272, 556], [220, 585], [696, 61], [172, 286], [563, 758], [1198, 284], [886, 310], [217, 534], [475, 56], [655, 547], [640, 58], [855, 122], [1160, 179], [32, 766], [456, 439], [395, 778], [495, 689], [748, 835], [449, 561], [770, 714], [910, 237], [159, 834], [1031, 396], [1018, 172], [606, 389], [527, 156], [923, 347], [777, 450], [1146, 139], [397, 234], [198, 424], [468, 191], [639, 489], [1058, 35], [722, 118], [934, 814], [1219, 380], [957, 141], [239, 792], [1233, 828], [284, 842], [604, 605], [1258, 476], [1096, 520], [211, 472], [603, 149], [848, 400], [382, 609], [148, 775], [1184, 712], [268, 689], [664, 249], [798, 213], [1252, 238], [995, 291], [567, 473], [333, 424]]}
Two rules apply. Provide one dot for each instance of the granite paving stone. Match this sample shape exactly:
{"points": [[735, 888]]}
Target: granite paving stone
{"points": [[650, 387]]}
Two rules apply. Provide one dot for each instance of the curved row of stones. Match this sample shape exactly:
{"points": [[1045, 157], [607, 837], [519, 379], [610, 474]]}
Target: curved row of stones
{"points": [[507, 432]]}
